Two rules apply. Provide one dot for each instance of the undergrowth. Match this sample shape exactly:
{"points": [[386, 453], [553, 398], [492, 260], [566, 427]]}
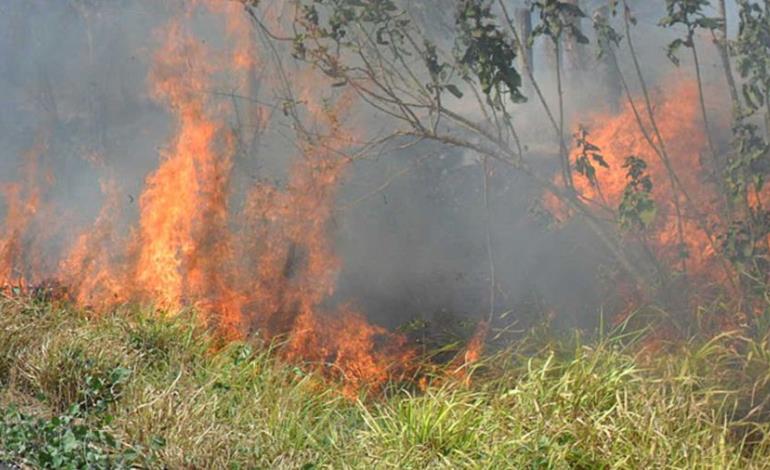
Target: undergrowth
{"points": [[135, 389]]}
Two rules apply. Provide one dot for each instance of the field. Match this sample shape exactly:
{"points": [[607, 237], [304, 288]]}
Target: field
{"points": [[134, 389]]}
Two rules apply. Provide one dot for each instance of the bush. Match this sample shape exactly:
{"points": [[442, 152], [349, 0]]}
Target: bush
{"points": [[65, 441], [73, 372]]}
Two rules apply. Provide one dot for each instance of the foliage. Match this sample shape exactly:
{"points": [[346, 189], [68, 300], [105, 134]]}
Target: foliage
{"points": [[50, 444], [752, 50], [556, 19], [744, 244], [749, 166], [327, 23], [65, 441], [96, 385], [588, 154], [637, 208], [486, 50], [745, 240], [688, 13], [607, 36], [440, 73], [337, 35], [80, 389]]}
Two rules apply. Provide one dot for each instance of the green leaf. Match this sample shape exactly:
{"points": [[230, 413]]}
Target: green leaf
{"points": [[673, 48], [454, 90]]}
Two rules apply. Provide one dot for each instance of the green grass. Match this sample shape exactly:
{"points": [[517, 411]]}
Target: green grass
{"points": [[136, 389]]}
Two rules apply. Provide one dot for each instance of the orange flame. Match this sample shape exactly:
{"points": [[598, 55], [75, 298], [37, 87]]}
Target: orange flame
{"points": [[678, 118], [23, 201], [183, 239], [471, 353], [89, 267], [270, 268]]}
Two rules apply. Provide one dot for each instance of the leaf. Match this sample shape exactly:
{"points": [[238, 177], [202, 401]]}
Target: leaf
{"points": [[69, 442], [454, 90], [647, 216], [571, 9], [381, 36], [673, 48], [598, 158], [157, 442]]}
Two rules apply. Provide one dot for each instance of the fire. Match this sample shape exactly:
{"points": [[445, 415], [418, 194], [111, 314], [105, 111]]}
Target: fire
{"points": [[183, 238], [23, 201], [296, 268], [88, 268], [269, 267], [462, 364], [475, 346], [678, 118], [261, 260]]}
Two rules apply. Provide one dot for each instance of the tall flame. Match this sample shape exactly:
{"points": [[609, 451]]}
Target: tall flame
{"points": [[89, 266], [23, 201], [678, 119], [270, 267]]}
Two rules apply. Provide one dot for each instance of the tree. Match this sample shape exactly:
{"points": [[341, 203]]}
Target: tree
{"points": [[461, 87]]}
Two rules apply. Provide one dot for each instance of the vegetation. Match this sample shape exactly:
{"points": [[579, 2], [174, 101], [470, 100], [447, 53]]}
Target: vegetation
{"points": [[138, 388], [135, 389], [402, 71]]}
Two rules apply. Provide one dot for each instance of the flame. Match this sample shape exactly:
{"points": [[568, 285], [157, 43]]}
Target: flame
{"points": [[268, 268], [475, 346], [471, 354], [678, 118], [88, 267], [183, 240], [296, 267], [23, 202]]}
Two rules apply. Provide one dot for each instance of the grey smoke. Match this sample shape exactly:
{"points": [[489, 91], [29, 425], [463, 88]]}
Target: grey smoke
{"points": [[414, 248]]}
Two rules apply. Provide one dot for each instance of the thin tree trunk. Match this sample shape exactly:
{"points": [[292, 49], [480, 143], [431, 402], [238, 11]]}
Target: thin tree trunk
{"points": [[714, 157], [724, 55], [574, 56], [530, 73], [568, 196], [662, 153], [565, 164], [607, 67], [490, 251], [767, 114], [523, 18], [673, 179]]}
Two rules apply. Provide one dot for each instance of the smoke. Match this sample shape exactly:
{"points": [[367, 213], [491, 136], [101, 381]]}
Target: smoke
{"points": [[409, 224]]}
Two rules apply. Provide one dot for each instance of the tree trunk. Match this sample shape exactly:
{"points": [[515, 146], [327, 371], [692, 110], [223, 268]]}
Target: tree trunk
{"points": [[523, 20], [574, 52], [552, 57], [607, 69], [720, 40]]}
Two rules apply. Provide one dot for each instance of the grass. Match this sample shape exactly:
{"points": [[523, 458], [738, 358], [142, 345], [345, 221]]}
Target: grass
{"points": [[134, 389]]}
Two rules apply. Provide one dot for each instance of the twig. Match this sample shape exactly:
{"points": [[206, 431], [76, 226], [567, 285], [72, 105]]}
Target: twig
{"points": [[488, 230]]}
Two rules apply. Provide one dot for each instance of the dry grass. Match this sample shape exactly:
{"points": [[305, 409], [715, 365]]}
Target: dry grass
{"points": [[180, 402]]}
